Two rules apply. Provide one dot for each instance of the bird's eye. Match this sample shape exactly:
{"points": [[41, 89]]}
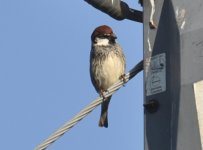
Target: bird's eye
{"points": [[107, 35], [103, 36], [100, 36]]}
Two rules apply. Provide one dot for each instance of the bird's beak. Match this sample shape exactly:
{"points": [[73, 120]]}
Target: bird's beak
{"points": [[113, 36]]}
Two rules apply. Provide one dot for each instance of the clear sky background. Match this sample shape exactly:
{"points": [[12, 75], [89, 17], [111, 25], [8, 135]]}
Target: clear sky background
{"points": [[44, 77]]}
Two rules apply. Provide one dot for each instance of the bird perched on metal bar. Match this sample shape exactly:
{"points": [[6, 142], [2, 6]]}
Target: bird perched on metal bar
{"points": [[107, 65]]}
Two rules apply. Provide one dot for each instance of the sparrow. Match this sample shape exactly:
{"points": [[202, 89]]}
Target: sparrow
{"points": [[107, 65]]}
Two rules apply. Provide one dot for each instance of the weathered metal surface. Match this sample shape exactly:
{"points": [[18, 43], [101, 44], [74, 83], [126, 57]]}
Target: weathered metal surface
{"points": [[178, 38]]}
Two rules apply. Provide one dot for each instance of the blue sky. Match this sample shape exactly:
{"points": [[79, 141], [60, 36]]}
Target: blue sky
{"points": [[44, 77]]}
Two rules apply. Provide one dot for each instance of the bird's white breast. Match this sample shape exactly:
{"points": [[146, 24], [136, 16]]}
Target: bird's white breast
{"points": [[112, 69]]}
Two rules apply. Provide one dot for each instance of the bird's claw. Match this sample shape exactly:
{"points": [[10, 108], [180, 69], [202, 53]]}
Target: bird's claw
{"points": [[122, 78], [102, 94]]}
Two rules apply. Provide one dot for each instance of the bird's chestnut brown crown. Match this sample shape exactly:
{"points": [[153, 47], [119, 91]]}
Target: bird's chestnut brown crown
{"points": [[103, 31]]}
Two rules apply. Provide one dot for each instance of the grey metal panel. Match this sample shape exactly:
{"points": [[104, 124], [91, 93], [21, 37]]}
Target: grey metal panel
{"points": [[192, 56], [188, 137], [179, 35]]}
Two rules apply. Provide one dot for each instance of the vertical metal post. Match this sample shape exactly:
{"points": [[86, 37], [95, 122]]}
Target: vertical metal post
{"points": [[173, 74]]}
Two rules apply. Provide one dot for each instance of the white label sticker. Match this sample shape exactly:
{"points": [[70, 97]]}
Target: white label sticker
{"points": [[156, 74]]}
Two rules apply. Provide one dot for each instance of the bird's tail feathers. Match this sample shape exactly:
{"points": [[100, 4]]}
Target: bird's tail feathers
{"points": [[103, 122]]}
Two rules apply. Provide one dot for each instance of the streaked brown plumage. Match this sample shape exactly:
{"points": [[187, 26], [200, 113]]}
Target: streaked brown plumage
{"points": [[107, 65]]}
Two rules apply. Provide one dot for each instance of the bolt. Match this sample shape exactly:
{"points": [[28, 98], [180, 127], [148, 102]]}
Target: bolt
{"points": [[151, 106]]}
